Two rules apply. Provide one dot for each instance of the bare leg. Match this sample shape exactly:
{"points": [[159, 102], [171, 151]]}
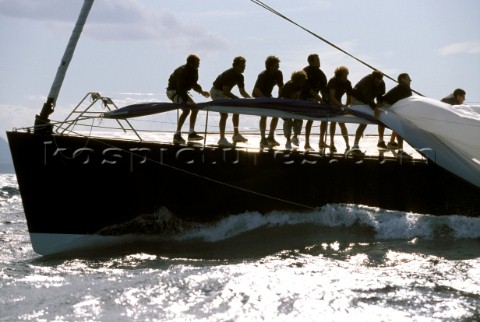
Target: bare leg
{"points": [[263, 126], [358, 134], [381, 131], [287, 128], [344, 130], [193, 119], [393, 137], [182, 118], [323, 134], [235, 121], [400, 142], [333, 126], [223, 124], [308, 129], [273, 126], [297, 130]]}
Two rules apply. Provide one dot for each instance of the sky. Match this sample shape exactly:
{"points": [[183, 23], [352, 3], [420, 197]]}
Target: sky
{"points": [[132, 46]]}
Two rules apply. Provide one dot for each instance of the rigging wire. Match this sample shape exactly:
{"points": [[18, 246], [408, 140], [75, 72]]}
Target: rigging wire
{"points": [[268, 8]]}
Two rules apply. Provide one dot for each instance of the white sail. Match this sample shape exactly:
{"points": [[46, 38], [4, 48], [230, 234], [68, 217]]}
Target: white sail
{"points": [[447, 135]]}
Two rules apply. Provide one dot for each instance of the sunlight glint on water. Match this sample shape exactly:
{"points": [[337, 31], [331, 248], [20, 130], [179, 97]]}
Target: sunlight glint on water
{"points": [[340, 262]]}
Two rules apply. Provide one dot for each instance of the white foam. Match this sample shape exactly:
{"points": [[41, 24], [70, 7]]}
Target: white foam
{"points": [[386, 224]]}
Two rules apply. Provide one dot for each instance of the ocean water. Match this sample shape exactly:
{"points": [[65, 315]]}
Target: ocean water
{"points": [[336, 263]]}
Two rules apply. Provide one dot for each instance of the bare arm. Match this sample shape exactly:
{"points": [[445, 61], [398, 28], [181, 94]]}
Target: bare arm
{"points": [[315, 94], [349, 99], [258, 92], [279, 90], [244, 93], [227, 91], [334, 99], [197, 88]]}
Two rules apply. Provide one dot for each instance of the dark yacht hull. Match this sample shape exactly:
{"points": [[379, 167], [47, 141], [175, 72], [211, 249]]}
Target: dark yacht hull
{"points": [[91, 186]]}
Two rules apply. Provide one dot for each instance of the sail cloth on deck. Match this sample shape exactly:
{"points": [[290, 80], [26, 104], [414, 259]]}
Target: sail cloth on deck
{"points": [[275, 107], [447, 135]]}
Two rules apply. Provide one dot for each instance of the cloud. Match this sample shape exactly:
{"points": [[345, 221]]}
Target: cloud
{"points": [[163, 25], [22, 116], [32, 97], [12, 116], [117, 20], [466, 47], [38, 10]]}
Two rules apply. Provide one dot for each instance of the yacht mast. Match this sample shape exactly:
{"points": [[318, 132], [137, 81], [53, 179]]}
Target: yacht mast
{"points": [[42, 122]]}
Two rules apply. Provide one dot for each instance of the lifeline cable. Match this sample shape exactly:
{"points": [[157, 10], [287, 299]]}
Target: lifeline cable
{"points": [[263, 5]]}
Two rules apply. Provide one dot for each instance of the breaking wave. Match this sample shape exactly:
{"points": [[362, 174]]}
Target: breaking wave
{"points": [[377, 223], [8, 187], [9, 191]]}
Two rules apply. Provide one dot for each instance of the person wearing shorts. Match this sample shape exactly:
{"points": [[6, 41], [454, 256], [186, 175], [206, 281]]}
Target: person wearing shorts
{"points": [[182, 80], [222, 89]]}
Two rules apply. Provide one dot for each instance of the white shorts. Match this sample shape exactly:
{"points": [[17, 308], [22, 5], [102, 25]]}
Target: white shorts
{"points": [[217, 94], [174, 97]]}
